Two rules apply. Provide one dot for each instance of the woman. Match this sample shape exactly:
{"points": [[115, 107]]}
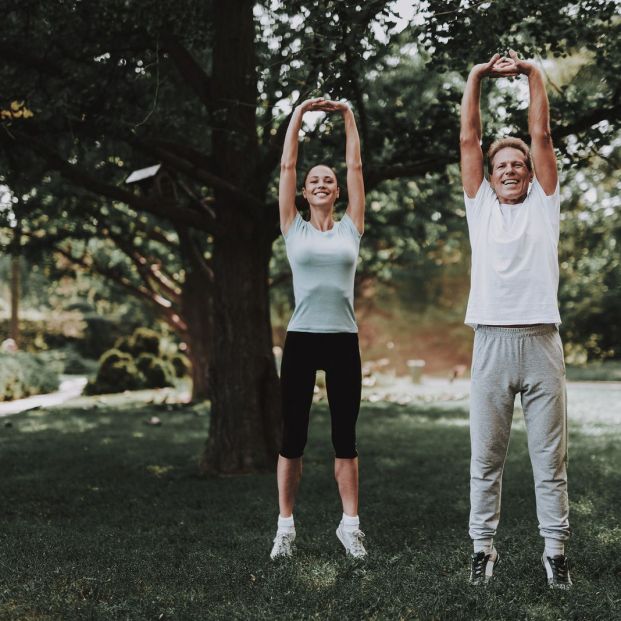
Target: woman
{"points": [[322, 333]]}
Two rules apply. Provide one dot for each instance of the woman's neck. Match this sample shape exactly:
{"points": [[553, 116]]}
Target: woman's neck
{"points": [[321, 219]]}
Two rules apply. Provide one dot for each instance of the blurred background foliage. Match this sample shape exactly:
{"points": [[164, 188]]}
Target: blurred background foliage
{"points": [[96, 259]]}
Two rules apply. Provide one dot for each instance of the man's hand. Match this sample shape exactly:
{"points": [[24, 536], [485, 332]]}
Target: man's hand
{"points": [[520, 66]]}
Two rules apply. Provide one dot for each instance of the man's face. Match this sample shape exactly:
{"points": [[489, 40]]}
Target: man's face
{"points": [[510, 176]]}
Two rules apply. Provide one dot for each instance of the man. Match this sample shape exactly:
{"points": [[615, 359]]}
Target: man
{"points": [[513, 222]]}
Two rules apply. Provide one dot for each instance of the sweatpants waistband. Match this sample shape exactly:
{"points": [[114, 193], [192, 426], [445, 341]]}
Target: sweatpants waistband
{"points": [[504, 332]]}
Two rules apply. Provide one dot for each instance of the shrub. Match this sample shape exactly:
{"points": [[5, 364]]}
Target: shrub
{"points": [[23, 374], [99, 335], [181, 364], [142, 341], [146, 341], [157, 372], [74, 364], [117, 372]]}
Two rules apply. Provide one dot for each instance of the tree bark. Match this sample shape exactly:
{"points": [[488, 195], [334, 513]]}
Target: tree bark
{"points": [[197, 311], [245, 394], [245, 398], [15, 292], [15, 284]]}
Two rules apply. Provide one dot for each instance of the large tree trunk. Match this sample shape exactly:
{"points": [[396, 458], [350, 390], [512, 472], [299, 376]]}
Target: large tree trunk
{"points": [[196, 303], [245, 398], [197, 311], [245, 395]]}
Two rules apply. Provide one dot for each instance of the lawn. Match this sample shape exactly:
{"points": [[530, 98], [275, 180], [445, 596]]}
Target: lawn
{"points": [[104, 517]]}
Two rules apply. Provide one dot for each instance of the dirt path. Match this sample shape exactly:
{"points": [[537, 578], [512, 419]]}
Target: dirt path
{"points": [[70, 387]]}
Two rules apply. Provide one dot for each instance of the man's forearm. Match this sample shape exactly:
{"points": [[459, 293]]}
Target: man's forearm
{"points": [[539, 109], [470, 108]]}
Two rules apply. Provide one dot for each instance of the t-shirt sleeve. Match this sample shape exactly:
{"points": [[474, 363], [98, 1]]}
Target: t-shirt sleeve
{"points": [[296, 225], [350, 227], [475, 205], [551, 205]]}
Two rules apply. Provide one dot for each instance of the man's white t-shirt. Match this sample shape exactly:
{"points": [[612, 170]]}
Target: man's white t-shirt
{"points": [[514, 275]]}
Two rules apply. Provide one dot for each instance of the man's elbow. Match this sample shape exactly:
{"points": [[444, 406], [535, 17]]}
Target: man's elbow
{"points": [[469, 139], [541, 135]]}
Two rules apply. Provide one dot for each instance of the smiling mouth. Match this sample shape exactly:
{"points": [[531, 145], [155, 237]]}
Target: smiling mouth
{"points": [[321, 194], [510, 182]]}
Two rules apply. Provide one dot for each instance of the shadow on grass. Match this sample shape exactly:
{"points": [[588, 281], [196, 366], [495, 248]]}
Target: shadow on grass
{"points": [[104, 517]]}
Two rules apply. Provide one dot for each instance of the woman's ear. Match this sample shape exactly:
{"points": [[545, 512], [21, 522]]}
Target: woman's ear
{"points": [[338, 191]]}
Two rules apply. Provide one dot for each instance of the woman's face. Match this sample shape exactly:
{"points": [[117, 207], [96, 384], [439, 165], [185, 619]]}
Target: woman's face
{"points": [[320, 189]]}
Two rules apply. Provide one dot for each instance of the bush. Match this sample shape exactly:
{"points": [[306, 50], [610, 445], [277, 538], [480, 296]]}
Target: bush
{"points": [[23, 375], [181, 365], [74, 364], [146, 341], [157, 372], [142, 341], [117, 372]]}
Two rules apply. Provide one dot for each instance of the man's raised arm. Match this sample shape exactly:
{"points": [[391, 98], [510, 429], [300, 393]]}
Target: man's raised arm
{"points": [[542, 150], [470, 134]]}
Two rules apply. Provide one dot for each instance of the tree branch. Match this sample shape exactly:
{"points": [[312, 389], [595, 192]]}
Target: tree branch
{"points": [[193, 74], [164, 209]]}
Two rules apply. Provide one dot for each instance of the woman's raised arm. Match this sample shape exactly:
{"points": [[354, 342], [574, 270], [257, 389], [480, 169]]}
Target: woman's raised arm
{"points": [[287, 184], [353, 160]]}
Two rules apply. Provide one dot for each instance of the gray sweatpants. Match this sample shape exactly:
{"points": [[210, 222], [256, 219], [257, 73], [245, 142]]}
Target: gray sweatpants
{"points": [[505, 362]]}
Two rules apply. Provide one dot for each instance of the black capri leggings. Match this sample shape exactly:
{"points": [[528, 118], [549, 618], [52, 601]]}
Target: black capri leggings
{"points": [[338, 355]]}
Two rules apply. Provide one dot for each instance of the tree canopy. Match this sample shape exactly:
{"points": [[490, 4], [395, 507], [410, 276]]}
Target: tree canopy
{"points": [[205, 89]]}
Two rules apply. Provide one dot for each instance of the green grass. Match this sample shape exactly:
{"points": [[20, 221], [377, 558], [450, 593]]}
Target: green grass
{"points": [[605, 371], [104, 517]]}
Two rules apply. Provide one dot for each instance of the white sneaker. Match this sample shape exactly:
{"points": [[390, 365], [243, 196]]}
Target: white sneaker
{"points": [[352, 541], [283, 544]]}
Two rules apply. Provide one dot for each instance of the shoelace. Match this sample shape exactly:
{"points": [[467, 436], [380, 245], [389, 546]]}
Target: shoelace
{"points": [[559, 567], [356, 544], [478, 564], [284, 540], [479, 561]]}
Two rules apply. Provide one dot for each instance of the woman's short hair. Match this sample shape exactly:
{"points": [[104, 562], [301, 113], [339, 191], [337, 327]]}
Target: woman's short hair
{"points": [[503, 143]]}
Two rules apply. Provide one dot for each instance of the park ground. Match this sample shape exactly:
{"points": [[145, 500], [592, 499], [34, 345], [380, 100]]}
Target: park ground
{"points": [[105, 517]]}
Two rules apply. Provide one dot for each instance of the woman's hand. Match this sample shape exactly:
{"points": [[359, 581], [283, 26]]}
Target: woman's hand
{"points": [[311, 104], [497, 67]]}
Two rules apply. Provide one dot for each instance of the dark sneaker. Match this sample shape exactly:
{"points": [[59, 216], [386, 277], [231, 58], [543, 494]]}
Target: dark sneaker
{"points": [[482, 568], [557, 570]]}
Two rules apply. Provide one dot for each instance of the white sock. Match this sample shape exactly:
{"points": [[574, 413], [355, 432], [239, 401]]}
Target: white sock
{"points": [[350, 522], [285, 524], [554, 547], [483, 545]]}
